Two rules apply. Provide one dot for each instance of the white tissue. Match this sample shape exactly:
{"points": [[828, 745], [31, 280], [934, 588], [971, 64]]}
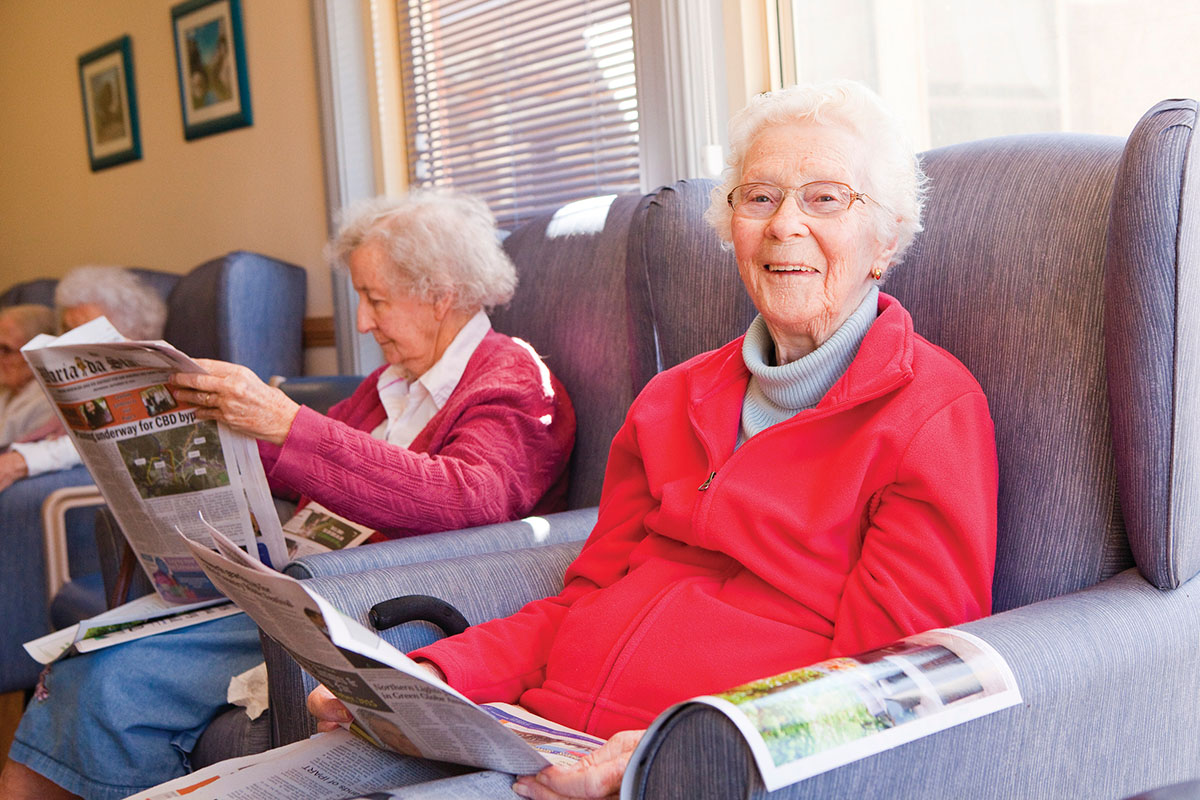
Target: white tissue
{"points": [[249, 690]]}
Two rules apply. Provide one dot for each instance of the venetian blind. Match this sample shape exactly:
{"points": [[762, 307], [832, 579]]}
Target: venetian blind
{"points": [[527, 103]]}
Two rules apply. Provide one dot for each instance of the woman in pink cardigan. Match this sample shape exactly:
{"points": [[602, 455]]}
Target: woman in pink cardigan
{"points": [[463, 426]]}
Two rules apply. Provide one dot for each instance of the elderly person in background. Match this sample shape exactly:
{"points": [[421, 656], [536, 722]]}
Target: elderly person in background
{"points": [[25, 412], [131, 305], [819, 487], [463, 426]]}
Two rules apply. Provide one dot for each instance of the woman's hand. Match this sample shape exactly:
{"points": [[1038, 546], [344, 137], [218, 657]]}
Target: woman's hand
{"points": [[596, 775], [12, 468], [332, 713], [234, 395]]}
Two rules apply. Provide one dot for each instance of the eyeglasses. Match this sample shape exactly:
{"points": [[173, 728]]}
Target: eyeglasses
{"points": [[817, 199]]}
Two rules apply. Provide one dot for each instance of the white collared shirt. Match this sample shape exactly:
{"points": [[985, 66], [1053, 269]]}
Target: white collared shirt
{"points": [[411, 404]]}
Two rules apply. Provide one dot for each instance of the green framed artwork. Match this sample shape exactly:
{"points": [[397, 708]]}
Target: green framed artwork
{"points": [[110, 116], [210, 61]]}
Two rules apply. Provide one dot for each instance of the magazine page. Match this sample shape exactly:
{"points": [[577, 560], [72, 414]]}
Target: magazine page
{"points": [[396, 704], [316, 529], [155, 463], [811, 720]]}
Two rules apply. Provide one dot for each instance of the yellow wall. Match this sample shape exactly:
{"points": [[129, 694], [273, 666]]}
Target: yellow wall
{"points": [[258, 188]]}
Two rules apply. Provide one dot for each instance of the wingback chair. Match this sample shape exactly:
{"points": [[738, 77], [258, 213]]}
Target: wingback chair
{"points": [[1061, 269]]}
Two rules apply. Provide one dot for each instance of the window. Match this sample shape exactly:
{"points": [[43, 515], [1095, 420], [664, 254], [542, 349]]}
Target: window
{"points": [[526, 103], [961, 69]]}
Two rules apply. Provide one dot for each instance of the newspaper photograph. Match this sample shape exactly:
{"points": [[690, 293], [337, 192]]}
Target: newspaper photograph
{"points": [[811, 720], [157, 465], [396, 704], [316, 529]]}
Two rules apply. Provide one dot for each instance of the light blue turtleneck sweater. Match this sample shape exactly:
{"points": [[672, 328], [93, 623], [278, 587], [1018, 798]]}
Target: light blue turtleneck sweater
{"points": [[775, 393]]}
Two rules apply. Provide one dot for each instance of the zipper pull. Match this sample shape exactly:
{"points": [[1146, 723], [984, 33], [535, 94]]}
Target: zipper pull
{"points": [[704, 485]]}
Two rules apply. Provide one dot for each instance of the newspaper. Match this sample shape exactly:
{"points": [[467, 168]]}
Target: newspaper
{"points": [[316, 529], [156, 464], [396, 704], [811, 720], [329, 766], [137, 619]]}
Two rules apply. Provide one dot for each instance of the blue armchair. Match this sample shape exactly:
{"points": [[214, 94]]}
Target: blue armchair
{"points": [[241, 307]]}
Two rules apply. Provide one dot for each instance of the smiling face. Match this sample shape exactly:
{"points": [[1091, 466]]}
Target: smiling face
{"points": [[807, 275], [409, 330]]}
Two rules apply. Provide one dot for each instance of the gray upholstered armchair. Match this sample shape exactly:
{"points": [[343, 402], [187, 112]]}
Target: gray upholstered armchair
{"points": [[1061, 270]]}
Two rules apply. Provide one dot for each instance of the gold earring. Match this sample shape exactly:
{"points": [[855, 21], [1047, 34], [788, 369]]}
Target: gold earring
{"points": [[877, 274]]}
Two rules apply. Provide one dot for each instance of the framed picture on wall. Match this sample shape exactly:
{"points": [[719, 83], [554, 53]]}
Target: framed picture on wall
{"points": [[210, 60], [110, 116]]}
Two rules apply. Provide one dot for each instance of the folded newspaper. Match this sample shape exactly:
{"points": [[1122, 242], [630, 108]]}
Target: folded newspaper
{"points": [[396, 704], [156, 464]]}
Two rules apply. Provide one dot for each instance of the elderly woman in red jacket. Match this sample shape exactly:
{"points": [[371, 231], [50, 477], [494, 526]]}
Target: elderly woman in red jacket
{"points": [[821, 486]]}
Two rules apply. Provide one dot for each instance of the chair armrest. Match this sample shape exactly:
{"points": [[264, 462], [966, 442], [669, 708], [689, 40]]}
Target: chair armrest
{"points": [[1108, 675], [566, 526], [514, 578], [54, 530]]}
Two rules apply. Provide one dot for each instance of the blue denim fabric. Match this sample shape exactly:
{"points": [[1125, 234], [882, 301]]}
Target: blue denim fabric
{"points": [[23, 604], [120, 720]]}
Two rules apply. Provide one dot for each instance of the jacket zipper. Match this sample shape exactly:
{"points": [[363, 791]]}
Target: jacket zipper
{"points": [[704, 485]]}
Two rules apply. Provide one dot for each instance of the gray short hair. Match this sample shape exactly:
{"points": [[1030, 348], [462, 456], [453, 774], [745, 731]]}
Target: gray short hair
{"points": [[894, 176], [131, 305], [439, 242], [30, 319]]}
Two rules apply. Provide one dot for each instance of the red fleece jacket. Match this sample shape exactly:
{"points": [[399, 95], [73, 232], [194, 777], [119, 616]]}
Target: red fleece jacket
{"points": [[867, 518], [497, 450]]}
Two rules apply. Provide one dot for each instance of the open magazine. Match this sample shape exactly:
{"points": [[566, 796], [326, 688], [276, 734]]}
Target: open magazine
{"points": [[396, 704], [811, 720], [155, 463]]}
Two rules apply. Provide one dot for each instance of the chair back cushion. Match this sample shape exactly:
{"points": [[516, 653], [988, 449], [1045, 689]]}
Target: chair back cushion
{"points": [[1009, 277], [683, 279], [39, 290], [572, 306], [241, 307], [1153, 342]]}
